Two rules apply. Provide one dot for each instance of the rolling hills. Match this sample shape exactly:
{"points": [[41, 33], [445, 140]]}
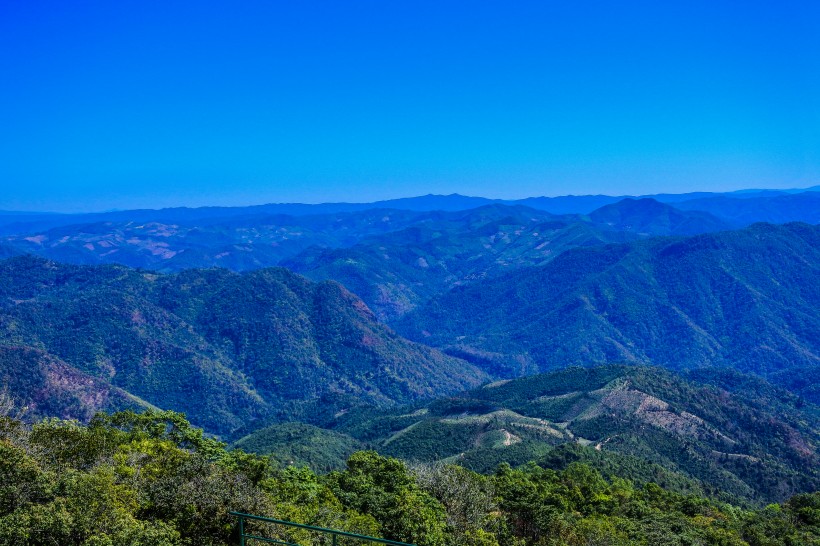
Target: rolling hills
{"points": [[239, 243], [648, 424]]}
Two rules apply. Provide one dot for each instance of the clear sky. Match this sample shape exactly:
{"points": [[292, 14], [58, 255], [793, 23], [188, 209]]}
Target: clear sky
{"points": [[123, 104]]}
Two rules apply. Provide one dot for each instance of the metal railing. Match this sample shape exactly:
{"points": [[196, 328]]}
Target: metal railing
{"points": [[334, 534]]}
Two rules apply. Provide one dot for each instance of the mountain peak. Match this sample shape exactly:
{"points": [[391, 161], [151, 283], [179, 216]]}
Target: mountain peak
{"points": [[647, 216]]}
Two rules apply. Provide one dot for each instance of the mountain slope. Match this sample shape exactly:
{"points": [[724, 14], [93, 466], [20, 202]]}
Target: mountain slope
{"points": [[225, 348], [727, 442], [745, 299], [41, 385]]}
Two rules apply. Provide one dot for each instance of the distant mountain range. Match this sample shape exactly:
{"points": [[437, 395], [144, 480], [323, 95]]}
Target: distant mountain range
{"points": [[13, 222], [513, 290], [395, 272], [745, 299], [246, 238], [224, 348], [238, 243]]}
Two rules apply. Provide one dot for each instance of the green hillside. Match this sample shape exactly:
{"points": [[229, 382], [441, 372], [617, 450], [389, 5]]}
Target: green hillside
{"points": [[743, 299], [224, 348], [644, 423], [299, 444]]}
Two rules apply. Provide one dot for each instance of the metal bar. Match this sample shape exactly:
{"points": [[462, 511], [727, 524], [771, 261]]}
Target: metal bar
{"points": [[241, 531], [320, 529], [270, 540]]}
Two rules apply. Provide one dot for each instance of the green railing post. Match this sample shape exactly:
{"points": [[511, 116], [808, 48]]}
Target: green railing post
{"points": [[241, 531]]}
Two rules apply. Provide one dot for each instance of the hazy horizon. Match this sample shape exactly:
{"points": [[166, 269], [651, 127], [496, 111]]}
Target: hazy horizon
{"points": [[399, 197]]}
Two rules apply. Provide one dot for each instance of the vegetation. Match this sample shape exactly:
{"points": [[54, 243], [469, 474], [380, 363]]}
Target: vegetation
{"points": [[723, 450], [299, 444], [226, 348], [151, 479]]}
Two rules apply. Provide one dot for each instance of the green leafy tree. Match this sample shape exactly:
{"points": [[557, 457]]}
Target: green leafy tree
{"points": [[384, 487]]}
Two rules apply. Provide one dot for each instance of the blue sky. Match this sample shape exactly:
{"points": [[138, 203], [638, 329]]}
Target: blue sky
{"points": [[151, 104]]}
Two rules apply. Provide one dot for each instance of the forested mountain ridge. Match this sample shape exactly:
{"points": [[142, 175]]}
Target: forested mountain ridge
{"points": [[745, 299], [393, 259], [226, 348]]}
